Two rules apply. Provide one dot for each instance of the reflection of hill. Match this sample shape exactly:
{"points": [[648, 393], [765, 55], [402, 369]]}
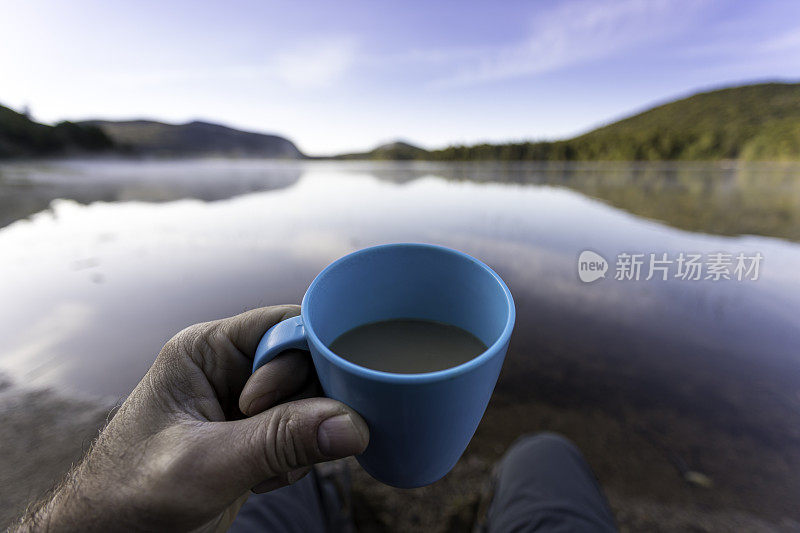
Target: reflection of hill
{"points": [[758, 199], [728, 202], [27, 189]]}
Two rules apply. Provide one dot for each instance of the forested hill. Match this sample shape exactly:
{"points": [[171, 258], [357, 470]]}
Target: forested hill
{"points": [[152, 138], [22, 137], [752, 122]]}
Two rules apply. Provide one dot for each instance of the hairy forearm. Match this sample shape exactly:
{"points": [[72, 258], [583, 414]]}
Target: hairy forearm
{"points": [[81, 503], [90, 497], [59, 510]]}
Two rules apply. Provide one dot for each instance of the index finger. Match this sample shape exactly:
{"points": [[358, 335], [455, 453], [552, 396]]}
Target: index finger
{"points": [[245, 330]]}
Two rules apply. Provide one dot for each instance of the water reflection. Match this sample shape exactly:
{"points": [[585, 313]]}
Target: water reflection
{"points": [[718, 198], [27, 188], [707, 371]]}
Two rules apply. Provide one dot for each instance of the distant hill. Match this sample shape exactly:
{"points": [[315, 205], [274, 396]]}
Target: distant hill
{"points": [[397, 150], [146, 137], [22, 137], [752, 122]]}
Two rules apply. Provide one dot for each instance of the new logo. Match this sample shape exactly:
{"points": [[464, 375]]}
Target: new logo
{"points": [[591, 266]]}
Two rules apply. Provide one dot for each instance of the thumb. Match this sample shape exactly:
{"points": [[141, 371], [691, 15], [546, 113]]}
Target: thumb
{"points": [[244, 453]]}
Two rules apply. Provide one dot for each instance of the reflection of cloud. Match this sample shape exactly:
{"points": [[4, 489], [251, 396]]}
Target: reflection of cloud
{"points": [[571, 33], [36, 351], [548, 276], [319, 245]]}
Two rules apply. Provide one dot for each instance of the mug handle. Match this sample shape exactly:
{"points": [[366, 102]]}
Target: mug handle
{"points": [[287, 335]]}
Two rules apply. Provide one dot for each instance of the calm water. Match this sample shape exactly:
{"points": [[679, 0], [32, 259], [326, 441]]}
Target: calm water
{"points": [[102, 262]]}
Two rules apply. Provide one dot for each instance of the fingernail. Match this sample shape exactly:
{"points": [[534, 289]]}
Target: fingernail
{"points": [[261, 403], [278, 481], [339, 437], [298, 474], [269, 485]]}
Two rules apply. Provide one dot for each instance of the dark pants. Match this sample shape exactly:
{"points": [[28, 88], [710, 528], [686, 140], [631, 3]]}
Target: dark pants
{"points": [[307, 506], [543, 484]]}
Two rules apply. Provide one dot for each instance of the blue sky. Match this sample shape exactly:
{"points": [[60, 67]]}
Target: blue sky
{"points": [[340, 76]]}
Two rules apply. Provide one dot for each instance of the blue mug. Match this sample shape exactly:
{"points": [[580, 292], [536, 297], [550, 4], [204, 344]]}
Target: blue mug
{"points": [[419, 424]]}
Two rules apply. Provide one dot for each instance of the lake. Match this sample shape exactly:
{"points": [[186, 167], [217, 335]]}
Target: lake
{"points": [[678, 390]]}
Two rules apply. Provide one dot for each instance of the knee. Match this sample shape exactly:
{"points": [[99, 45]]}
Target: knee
{"points": [[542, 444], [544, 439]]}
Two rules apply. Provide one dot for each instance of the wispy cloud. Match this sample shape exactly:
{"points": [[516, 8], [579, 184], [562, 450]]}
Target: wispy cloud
{"points": [[731, 58], [786, 42], [568, 34], [314, 64]]}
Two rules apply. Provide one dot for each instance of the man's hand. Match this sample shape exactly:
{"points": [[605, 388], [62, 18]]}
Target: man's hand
{"points": [[179, 456]]}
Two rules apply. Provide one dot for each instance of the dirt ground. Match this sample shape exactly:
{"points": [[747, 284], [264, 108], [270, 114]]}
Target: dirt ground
{"points": [[647, 484]]}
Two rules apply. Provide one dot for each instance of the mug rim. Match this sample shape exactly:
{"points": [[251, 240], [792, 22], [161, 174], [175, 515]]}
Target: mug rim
{"points": [[423, 377]]}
